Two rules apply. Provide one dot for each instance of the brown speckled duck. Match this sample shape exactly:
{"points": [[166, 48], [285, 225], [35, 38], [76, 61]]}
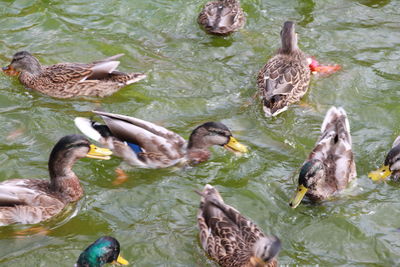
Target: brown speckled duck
{"points": [[66, 80], [229, 238], [29, 201], [286, 76], [330, 166], [222, 17], [145, 144]]}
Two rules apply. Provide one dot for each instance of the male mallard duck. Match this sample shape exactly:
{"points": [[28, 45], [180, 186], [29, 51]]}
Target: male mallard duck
{"points": [[65, 80], [222, 17], [145, 144], [330, 166], [285, 77], [231, 239], [103, 250], [30, 201], [391, 165]]}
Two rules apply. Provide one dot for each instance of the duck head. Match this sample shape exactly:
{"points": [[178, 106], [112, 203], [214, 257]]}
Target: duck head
{"points": [[265, 251], [22, 61], [391, 164], [104, 250], [214, 133], [311, 173], [288, 38], [68, 150]]}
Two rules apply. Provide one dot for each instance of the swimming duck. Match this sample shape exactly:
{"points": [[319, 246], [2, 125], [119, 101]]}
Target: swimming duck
{"points": [[330, 166], [29, 201], [222, 17], [231, 239], [286, 76], [391, 166], [104, 250], [145, 144], [66, 80]]}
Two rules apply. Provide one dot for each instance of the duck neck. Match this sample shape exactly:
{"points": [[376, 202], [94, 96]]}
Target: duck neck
{"points": [[197, 155], [63, 180], [34, 68]]}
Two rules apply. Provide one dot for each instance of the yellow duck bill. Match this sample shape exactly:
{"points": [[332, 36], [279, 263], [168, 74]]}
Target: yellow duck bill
{"points": [[300, 193], [121, 261], [234, 145], [380, 174], [99, 153]]}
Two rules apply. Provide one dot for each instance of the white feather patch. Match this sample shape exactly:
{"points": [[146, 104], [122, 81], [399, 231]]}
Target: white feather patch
{"points": [[105, 67], [85, 126]]}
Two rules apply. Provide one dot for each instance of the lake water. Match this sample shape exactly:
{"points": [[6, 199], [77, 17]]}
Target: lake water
{"points": [[193, 78]]}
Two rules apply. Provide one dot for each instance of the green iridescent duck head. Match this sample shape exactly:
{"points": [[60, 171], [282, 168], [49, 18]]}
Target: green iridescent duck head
{"points": [[103, 250]]}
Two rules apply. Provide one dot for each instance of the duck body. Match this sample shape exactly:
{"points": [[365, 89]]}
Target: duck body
{"points": [[145, 144], [231, 239], [286, 76], [222, 17], [29, 201], [66, 80], [330, 166]]}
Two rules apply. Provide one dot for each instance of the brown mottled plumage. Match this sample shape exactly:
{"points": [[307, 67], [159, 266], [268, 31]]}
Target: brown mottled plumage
{"points": [[30, 201], [222, 17], [286, 76], [66, 80], [229, 238], [330, 166], [156, 147]]}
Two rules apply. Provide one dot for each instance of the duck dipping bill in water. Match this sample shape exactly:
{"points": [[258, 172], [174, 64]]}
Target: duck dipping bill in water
{"points": [[222, 17], [286, 76], [330, 166], [66, 80], [391, 166], [104, 250], [145, 144], [29, 201], [231, 239]]}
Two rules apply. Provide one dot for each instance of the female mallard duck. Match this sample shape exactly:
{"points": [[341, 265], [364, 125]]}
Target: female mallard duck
{"points": [[391, 165], [231, 239], [103, 250], [29, 201], [285, 77], [145, 144], [222, 17], [65, 80], [330, 166]]}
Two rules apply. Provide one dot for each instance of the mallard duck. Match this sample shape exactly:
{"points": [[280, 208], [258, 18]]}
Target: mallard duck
{"points": [[65, 80], [285, 77], [391, 166], [330, 166], [145, 144], [29, 201], [222, 17], [231, 239], [104, 250]]}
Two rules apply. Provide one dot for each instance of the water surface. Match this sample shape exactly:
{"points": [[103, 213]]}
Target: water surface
{"points": [[194, 78]]}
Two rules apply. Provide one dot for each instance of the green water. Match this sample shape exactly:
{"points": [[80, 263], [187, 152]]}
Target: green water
{"points": [[193, 78]]}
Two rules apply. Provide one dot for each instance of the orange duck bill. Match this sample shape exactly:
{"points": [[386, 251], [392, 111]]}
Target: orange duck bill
{"points": [[10, 71]]}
